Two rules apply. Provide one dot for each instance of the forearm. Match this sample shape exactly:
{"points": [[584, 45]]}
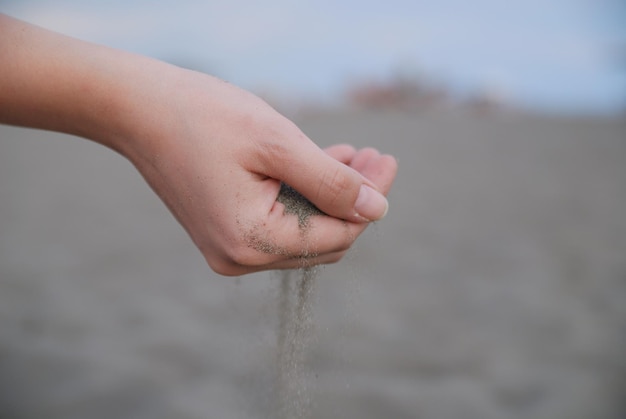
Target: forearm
{"points": [[50, 81]]}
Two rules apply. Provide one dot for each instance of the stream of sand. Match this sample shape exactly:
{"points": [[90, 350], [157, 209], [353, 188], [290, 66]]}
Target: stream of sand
{"points": [[295, 327], [295, 332]]}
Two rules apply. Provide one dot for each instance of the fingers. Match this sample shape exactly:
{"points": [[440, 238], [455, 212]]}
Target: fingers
{"points": [[326, 179], [293, 263], [327, 234], [280, 241], [343, 153], [381, 169]]}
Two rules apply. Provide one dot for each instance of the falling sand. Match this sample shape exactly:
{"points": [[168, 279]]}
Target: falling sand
{"points": [[295, 319]]}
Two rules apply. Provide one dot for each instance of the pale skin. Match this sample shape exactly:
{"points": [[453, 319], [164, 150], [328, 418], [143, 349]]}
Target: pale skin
{"points": [[215, 154]]}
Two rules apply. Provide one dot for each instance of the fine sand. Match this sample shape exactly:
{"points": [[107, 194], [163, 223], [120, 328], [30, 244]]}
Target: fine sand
{"points": [[494, 289], [295, 326]]}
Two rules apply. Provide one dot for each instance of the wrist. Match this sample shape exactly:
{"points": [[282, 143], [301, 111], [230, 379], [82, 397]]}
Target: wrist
{"points": [[54, 82], [120, 97]]}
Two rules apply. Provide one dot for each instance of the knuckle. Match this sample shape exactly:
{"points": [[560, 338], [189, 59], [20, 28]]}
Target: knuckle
{"points": [[235, 260], [334, 187], [343, 247], [270, 150], [222, 266], [336, 257], [242, 255], [346, 242]]}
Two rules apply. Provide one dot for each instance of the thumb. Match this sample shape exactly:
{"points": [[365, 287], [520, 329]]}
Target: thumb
{"points": [[335, 188]]}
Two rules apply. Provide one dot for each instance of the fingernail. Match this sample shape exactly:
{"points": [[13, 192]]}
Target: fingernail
{"points": [[370, 205]]}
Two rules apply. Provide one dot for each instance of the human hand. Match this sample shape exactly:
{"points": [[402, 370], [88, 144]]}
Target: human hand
{"points": [[216, 156]]}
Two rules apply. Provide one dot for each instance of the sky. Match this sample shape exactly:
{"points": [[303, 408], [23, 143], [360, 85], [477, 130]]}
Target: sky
{"points": [[566, 56]]}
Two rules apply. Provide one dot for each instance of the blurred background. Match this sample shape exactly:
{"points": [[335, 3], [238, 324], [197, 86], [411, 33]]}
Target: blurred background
{"points": [[495, 288], [558, 55]]}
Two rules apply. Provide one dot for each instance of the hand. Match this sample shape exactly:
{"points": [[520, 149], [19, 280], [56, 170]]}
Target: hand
{"points": [[216, 156]]}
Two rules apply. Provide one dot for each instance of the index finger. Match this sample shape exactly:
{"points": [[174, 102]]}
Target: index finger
{"points": [[283, 236]]}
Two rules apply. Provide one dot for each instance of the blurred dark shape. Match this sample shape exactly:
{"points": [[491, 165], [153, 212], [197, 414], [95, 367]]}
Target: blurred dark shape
{"points": [[419, 94], [486, 101], [399, 93]]}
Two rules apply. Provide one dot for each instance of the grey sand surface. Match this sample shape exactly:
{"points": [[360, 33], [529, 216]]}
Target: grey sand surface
{"points": [[495, 287]]}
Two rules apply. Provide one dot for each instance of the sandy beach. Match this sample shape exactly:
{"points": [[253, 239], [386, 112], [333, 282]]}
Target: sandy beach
{"points": [[494, 289]]}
